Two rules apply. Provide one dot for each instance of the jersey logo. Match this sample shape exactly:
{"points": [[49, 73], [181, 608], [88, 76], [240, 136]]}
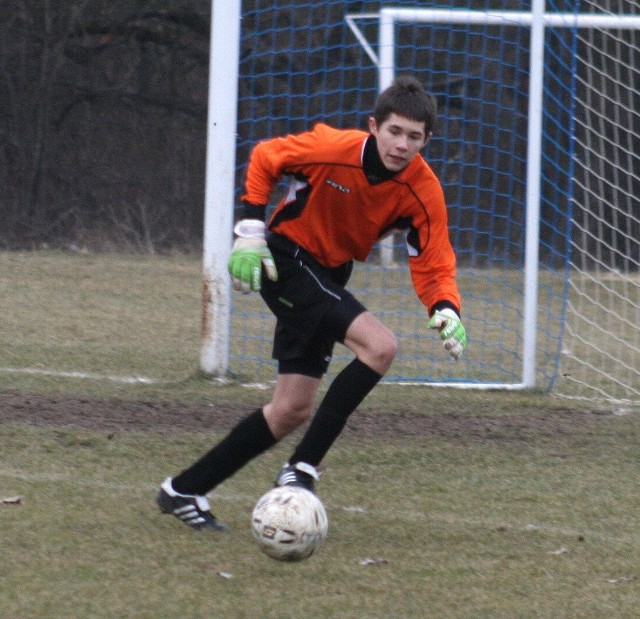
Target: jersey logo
{"points": [[337, 186]]}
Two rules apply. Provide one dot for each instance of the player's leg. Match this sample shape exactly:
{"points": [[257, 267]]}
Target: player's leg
{"points": [[184, 495], [291, 404], [375, 347], [372, 342], [293, 397]]}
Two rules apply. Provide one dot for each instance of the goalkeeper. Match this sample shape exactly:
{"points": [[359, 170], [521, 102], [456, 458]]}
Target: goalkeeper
{"points": [[348, 189]]}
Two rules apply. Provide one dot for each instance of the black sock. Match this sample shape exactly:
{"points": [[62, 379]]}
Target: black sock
{"points": [[348, 390], [247, 440]]}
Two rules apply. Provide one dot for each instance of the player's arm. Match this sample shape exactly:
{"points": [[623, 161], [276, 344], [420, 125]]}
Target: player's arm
{"points": [[250, 255], [272, 159], [269, 161], [444, 310], [436, 287], [433, 271]]}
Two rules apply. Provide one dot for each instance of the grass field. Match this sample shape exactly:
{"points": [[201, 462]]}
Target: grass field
{"points": [[441, 503]]}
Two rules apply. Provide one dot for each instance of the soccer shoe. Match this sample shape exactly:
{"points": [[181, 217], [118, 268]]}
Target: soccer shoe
{"points": [[299, 474], [192, 509]]}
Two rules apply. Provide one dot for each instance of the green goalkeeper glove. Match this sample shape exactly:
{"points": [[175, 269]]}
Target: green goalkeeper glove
{"points": [[451, 330], [249, 255]]}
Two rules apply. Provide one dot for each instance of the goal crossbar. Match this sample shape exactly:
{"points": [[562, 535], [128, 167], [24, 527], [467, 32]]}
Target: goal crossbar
{"points": [[484, 18]]}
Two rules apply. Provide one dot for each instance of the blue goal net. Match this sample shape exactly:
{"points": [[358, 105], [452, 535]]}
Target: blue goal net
{"points": [[308, 62]]}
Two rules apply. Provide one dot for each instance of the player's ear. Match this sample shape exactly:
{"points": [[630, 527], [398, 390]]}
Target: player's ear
{"points": [[373, 126], [429, 136]]}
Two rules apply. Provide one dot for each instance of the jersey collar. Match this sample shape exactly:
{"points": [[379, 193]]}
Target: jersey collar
{"points": [[372, 165]]}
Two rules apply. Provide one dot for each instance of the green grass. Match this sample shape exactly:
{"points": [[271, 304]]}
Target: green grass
{"points": [[104, 314], [545, 529], [502, 523]]}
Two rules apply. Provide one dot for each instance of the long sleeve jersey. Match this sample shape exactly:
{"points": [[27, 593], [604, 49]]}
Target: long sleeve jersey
{"points": [[337, 212]]}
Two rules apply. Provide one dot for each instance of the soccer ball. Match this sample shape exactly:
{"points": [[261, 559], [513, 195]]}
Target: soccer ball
{"points": [[289, 523]]}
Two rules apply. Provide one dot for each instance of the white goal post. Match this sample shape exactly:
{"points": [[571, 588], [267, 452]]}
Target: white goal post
{"points": [[219, 185]]}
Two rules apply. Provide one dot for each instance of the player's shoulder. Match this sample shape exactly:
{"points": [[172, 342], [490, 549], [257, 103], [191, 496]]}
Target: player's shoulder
{"points": [[331, 134], [330, 144]]}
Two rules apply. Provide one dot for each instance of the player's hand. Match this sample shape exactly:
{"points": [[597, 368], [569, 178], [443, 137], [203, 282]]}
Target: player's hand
{"points": [[451, 330], [249, 255]]}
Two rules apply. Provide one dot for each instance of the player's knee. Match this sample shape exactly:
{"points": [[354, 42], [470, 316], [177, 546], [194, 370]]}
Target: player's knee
{"points": [[298, 414], [284, 417], [389, 350], [381, 354]]}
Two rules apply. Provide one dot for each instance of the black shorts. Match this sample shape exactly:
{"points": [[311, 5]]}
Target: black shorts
{"points": [[312, 308]]}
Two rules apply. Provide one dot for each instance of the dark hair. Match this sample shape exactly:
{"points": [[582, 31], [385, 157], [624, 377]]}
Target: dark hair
{"points": [[406, 97]]}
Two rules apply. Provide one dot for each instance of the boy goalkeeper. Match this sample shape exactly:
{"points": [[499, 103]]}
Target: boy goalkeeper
{"points": [[349, 188]]}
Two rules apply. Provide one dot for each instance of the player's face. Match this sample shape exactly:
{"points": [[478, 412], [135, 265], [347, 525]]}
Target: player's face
{"points": [[399, 140]]}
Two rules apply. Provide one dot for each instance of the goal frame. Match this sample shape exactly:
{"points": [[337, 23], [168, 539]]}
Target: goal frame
{"points": [[220, 162]]}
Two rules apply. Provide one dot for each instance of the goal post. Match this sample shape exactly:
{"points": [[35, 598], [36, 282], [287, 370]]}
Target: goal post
{"points": [[522, 149], [219, 185]]}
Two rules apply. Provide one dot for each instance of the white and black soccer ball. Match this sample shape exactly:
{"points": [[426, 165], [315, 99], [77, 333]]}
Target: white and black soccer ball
{"points": [[289, 523]]}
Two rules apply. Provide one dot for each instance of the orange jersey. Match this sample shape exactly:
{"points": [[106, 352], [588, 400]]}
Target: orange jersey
{"points": [[337, 214]]}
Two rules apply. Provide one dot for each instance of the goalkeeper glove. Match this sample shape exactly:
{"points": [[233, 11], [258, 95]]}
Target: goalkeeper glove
{"points": [[451, 330], [248, 255]]}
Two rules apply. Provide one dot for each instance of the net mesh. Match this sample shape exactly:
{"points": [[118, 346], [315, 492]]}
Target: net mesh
{"points": [[301, 64]]}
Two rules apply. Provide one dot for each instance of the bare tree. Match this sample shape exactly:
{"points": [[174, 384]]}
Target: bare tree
{"points": [[103, 109]]}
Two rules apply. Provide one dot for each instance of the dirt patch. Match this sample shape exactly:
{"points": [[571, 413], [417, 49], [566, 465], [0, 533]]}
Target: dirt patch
{"points": [[118, 415]]}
